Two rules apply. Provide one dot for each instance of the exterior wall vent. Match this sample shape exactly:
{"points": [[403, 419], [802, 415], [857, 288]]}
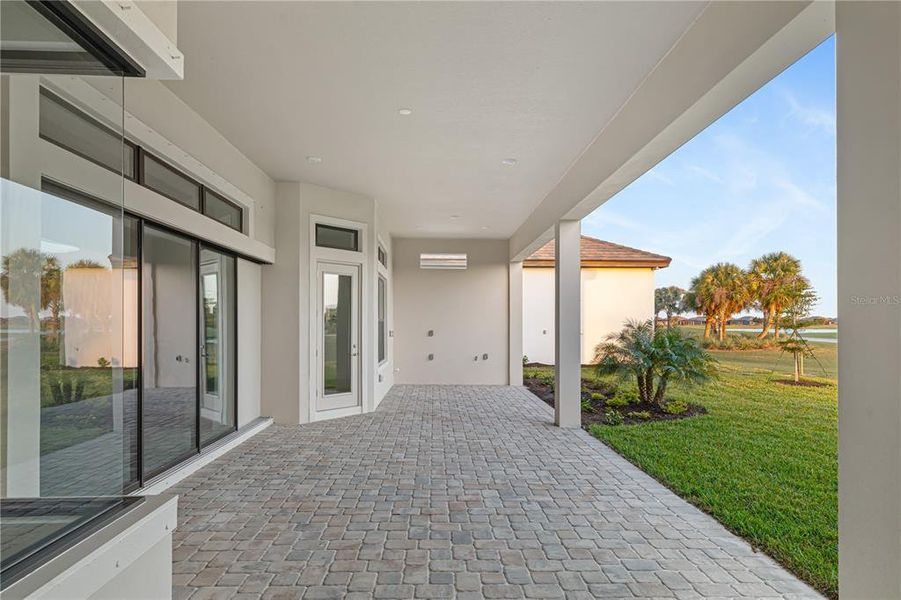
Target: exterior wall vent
{"points": [[442, 261]]}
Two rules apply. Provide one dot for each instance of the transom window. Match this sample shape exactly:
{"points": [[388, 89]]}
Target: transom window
{"points": [[338, 238], [63, 124]]}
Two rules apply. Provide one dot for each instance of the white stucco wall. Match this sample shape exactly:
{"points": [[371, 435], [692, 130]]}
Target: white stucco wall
{"points": [[610, 296], [466, 310]]}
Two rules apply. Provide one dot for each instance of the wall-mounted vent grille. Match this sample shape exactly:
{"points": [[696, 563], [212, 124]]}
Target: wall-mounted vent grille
{"points": [[442, 261]]}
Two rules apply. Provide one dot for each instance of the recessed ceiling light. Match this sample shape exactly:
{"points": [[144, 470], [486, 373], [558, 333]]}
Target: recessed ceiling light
{"points": [[484, 227], [314, 160], [508, 162], [406, 112]]}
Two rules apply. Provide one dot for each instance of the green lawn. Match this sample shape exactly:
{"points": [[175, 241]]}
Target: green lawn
{"points": [[764, 461]]}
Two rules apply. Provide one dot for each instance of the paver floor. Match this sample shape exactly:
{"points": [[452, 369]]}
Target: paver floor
{"points": [[450, 491]]}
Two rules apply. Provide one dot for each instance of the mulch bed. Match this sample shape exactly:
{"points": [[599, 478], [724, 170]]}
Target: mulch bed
{"points": [[802, 383], [597, 414]]}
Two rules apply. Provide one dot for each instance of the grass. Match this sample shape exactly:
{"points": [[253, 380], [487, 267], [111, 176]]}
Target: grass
{"points": [[763, 461]]}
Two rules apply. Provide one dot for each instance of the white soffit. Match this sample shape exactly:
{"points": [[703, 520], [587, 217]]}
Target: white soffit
{"points": [[504, 96]]}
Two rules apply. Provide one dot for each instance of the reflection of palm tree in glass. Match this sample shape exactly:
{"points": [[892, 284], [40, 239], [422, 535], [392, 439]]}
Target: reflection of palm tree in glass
{"points": [[31, 280]]}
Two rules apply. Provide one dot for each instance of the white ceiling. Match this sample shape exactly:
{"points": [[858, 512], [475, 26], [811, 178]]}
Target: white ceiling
{"points": [[486, 81]]}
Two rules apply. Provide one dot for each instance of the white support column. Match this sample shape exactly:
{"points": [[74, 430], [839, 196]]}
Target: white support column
{"points": [[869, 287], [514, 300], [568, 311]]}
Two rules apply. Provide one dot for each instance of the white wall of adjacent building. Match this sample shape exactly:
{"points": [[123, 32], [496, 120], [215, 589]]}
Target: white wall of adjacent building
{"points": [[610, 297]]}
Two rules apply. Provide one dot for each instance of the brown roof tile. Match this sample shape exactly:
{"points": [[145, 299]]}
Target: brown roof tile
{"points": [[599, 253]]}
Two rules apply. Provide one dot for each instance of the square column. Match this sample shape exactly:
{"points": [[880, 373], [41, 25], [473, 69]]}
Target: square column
{"points": [[868, 63], [514, 291], [567, 317]]}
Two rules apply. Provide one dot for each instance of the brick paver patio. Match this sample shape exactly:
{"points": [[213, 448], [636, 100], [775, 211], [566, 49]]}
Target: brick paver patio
{"points": [[450, 491]]}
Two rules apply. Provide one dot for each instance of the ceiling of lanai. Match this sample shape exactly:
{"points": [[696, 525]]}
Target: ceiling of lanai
{"points": [[504, 96]]}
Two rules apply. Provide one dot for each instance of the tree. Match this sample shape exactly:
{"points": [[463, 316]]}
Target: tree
{"points": [[654, 357], [771, 278], [668, 300], [800, 300], [718, 292], [31, 280]]}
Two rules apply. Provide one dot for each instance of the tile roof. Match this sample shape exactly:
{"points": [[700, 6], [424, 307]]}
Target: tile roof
{"points": [[600, 253]]}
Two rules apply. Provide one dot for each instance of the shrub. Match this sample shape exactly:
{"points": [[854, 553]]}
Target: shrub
{"points": [[653, 358], [676, 407], [738, 341], [613, 417], [624, 397], [525, 359], [640, 414], [586, 406], [597, 396]]}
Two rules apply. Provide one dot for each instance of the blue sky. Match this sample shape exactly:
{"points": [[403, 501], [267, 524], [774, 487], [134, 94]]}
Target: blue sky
{"points": [[760, 179]]}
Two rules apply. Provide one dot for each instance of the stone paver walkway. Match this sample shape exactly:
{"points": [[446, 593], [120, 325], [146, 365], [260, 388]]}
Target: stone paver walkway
{"points": [[450, 491]]}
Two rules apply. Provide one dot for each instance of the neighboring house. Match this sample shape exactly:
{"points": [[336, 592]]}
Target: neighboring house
{"points": [[617, 285], [746, 320]]}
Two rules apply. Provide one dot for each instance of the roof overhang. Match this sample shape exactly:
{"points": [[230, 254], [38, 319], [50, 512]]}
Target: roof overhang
{"points": [[731, 50], [602, 264]]}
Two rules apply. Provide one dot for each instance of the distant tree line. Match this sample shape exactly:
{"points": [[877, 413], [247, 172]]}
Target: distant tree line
{"points": [[772, 284]]}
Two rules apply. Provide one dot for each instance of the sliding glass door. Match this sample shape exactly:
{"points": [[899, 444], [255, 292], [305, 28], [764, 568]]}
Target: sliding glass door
{"points": [[218, 346], [170, 349], [189, 353]]}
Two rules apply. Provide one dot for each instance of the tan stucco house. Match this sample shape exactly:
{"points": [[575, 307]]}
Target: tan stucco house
{"points": [[617, 285]]}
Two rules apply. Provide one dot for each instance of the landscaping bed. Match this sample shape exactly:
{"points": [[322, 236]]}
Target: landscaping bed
{"points": [[605, 403]]}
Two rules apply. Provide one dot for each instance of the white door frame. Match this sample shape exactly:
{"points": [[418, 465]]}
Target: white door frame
{"points": [[353, 398], [339, 257], [212, 406]]}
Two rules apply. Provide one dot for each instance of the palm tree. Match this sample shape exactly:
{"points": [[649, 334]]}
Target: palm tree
{"points": [[31, 280], [771, 278], [654, 357], [668, 300], [700, 299], [720, 291]]}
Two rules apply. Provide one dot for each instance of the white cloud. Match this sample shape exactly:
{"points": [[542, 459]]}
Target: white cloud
{"points": [[799, 196], [812, 116], [705, 173], [657, 174]]}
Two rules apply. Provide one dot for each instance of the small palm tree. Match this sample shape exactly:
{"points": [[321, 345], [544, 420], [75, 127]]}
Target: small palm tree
{"points": [[654, 358]]}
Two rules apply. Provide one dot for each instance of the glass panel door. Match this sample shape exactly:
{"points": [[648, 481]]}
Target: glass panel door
{"points": [[218, 349], [170, 351], [338, 337]]}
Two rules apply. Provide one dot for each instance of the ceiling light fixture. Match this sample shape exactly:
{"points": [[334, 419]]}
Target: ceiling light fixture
{"points": [[314, 160], [455, 216], [405, 112], [508, 162]]}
